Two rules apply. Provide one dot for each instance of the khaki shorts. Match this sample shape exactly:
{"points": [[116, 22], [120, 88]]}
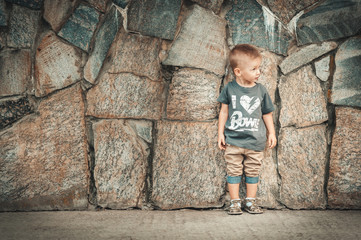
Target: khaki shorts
{"points": [[240, 159]]}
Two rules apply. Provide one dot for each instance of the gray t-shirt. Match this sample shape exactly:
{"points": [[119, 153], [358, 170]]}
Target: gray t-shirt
{"points": [[246, 106]]}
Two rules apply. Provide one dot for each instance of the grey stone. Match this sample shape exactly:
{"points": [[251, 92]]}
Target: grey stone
{"points": [[333, 19], [3, 14], [15, 72], [101, 5], [33, 4], [323, 68], [302, 99], [346, 88], [249, 22], [57, 12], [154, 18], [13, 109], [80, 27], [302, 155], [214, 5], [195, 47], [344, 183], [23, 27], [125, 95], [43, 157], [2, 39], [193, 95], [121, 3], [188, 168], [103, 39], [57, 65], [305, 55], [135, 54], [143, 128], [121, 159]]}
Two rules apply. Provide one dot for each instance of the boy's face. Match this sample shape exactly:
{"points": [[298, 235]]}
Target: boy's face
{"points": [[249, 71]]}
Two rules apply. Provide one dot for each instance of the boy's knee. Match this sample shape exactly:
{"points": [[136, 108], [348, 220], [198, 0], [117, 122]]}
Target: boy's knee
{"points": [[234, 180], [252, 180]]}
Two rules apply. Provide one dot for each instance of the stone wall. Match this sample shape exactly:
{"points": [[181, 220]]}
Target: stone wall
{"points": [[113, 103]]}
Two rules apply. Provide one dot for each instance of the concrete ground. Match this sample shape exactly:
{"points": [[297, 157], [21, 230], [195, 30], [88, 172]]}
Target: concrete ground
{"points": [[181, 224]]}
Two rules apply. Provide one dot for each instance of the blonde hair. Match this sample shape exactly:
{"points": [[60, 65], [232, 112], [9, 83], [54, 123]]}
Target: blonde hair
{"points": [[239, 51]]}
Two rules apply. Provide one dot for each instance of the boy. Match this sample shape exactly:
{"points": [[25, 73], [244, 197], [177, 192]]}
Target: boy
{"points": [[245, 114]]}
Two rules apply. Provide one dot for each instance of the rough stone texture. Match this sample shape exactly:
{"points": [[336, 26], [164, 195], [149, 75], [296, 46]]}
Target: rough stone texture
{"points": [[13, 109], [15, 69], [80, 27], [344, 183], [188, 168], [23, 27], [121, 3], [154, 18], [303, 101], [323, 68], [195, 47], [101, 5], [193, 95], [57, 12], [135, 54], [33, 4], [126, 96], [249, 22], [57, 65], [3, 14], [103, 39], [346, 88], [2, 39], [121, 159], [305, 55], [302, 157], [333, 19], [43, 157], [214, 5]]}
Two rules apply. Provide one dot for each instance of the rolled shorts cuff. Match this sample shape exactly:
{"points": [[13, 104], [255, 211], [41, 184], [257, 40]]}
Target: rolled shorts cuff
{"points": [[234, 180], [252, 180]]}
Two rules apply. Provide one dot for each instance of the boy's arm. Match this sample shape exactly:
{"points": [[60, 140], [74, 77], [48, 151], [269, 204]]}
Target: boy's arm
{"points": [[268, 121], [223, 115]]}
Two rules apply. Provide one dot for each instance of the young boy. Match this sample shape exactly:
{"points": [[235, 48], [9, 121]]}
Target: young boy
{"points": [[245, 114]]}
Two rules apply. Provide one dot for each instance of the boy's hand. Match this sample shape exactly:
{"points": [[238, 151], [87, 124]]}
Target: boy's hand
{"points": [[272, 141], [221, 142]]}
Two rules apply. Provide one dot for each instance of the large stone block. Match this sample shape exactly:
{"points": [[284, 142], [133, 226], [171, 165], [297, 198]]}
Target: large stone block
{"points": [[302, 98], [15, 72], [126, 96], [13, 109], [188, 168], [80, 27], [23, 27], [214, 5], [43, 157], [193, 95], [57, 65], [3, 14], [154, 18], [344, 183], [249, 22], [103, 39], [333, 19], [302, 156], [195, 47], [305, 55], [33, 4], [346, 88], [57, 12], [135, 54], [121, 159]]}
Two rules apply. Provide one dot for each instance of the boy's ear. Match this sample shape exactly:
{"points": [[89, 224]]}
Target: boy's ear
{"points": [[237, 72]]}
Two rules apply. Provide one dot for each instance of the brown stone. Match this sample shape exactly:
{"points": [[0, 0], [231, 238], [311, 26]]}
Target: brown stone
{"points": [[15, 72], [121, 159], [302, 98], [101, 5], [188, 168], [345, 171], [135, 54], [193, 95], [57, 65], [195, 47], [43, 157], [302, 156], [125, 95], [57, 12]]}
